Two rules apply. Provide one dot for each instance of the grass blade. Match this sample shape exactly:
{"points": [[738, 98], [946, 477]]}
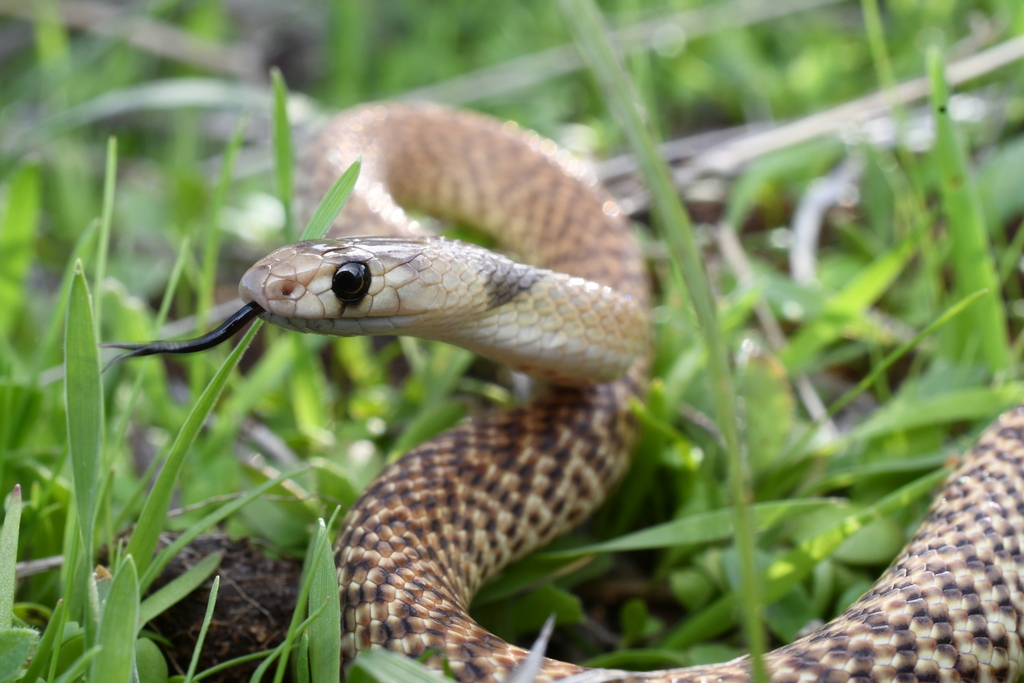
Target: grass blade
{"points": [[257, 675], [794, 566], [325, 630], [385, 665], [202, 631], [118, 626], [71, 597], [307, 385], [321, 545], [433, 419], [909, 412], [233, 662], [106, 218], [142, 486], [84, 401], [704, 527], [332, 203], [284, 160], [302, 661], [970, 255], [876, 41], [8, 558], [287, 646], [154, 513]]}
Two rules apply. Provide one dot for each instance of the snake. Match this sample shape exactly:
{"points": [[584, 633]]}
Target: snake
{"points": [[434, 525]]}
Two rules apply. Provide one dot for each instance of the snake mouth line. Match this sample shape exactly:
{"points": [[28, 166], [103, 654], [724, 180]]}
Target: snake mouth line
{"points": [[228, 328]]}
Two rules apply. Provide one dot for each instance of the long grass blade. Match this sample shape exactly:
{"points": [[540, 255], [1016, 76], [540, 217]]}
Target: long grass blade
{"points": [[106, 219], [969, 403], [251, 657], [9, 557], [321, 545], [590, 34], [118, 626], [385, 665], [284, 160], [325, 630], [142, 486], [84, 400], [704, 527], [970, 256], [891, 358]]}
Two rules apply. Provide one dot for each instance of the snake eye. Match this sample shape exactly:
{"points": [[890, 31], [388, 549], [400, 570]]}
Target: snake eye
{"points": [[351, 282]]}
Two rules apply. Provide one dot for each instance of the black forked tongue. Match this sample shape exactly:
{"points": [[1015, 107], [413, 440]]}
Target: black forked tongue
{"points": [[233, 324]]}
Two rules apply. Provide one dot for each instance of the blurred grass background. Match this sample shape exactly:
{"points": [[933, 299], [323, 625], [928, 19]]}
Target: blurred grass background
{"points": [[832, 241]]}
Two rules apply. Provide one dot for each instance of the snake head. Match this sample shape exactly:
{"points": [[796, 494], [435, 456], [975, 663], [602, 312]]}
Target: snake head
{"points": [[553, 326], [370, 285]]}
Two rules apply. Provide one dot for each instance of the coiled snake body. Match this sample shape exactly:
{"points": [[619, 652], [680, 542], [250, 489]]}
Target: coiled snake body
{"points": [[434, 525]]}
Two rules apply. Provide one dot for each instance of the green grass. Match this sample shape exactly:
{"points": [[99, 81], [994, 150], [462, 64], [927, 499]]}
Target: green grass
{"points": [[134, 189]]}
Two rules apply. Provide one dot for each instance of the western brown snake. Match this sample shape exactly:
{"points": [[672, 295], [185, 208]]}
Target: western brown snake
{"points": [[435, 525]]}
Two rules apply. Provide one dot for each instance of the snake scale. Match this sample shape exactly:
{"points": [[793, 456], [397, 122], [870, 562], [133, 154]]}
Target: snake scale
{"points": [[433, 526]]}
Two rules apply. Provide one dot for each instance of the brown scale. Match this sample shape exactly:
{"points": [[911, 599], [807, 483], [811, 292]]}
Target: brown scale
{"points": [[433, 526]]}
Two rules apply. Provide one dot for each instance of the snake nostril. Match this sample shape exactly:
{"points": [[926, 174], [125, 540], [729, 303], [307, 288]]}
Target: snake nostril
{"points": [[284, 290]]}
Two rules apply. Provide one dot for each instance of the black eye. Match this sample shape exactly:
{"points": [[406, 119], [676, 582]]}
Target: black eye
{"points": [[351, 282]]}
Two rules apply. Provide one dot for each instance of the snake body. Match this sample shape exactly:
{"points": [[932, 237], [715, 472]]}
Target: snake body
{"points": [[435, 525]]}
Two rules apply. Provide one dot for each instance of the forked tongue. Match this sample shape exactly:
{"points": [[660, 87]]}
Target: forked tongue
{"points": [[237, 321]]}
